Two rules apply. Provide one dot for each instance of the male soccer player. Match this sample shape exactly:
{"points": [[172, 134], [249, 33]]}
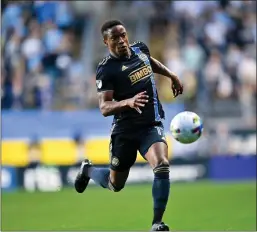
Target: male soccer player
{"points": [[126, 89]]}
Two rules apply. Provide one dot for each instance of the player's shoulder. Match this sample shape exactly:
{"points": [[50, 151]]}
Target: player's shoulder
{"points": [[141, 45], [103, 65], [104, 61]]}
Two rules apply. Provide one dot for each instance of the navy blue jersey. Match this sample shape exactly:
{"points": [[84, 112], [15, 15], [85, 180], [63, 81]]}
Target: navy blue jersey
{"points": [[128, 77]]}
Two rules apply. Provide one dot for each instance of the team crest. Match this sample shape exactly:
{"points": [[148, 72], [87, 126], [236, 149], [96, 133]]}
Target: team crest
{"points": [[99, 84], [143, 57], [115, 161]]}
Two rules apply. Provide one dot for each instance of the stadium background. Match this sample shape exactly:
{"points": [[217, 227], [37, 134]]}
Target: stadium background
{"points": [[51, 120]]}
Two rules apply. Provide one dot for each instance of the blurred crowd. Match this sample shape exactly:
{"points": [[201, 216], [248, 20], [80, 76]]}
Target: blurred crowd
{"points": [[211, 45], [40, 47]]}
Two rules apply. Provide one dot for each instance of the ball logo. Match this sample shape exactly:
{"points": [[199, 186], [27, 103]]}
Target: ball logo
{"points": [[115, 161], [99, 84], [195, 120]]}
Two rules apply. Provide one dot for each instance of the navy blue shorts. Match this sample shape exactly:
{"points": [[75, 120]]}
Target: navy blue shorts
{"points": [[124, 146]]}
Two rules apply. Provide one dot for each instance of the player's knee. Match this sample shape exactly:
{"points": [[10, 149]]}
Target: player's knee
{"points": [[115, 188], [162, 170], [161, 162]]}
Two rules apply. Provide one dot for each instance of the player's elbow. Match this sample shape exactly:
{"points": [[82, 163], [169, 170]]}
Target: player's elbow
{"points": [[105, 114], [104, 110]]}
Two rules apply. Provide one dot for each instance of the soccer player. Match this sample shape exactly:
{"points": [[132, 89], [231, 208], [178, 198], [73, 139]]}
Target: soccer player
{"points": [[126, 89]]}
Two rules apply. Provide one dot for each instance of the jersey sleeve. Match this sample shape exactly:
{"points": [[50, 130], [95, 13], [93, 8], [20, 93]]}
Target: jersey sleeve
{"points": [[103, 80]]}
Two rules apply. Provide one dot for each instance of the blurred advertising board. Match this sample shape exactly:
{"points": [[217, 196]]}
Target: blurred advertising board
{"points": [[9, 180], [67, 151], [46, 178], [181, 170], [62, 138], [64, 124], [232, 167]]}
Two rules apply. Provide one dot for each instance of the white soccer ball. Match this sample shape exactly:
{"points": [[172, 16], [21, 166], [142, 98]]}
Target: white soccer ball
{"points": [[186, 127]]}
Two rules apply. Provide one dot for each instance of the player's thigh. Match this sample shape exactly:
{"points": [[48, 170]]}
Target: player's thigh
{"points": [[153, 146], [157, 154], [123, 152]]}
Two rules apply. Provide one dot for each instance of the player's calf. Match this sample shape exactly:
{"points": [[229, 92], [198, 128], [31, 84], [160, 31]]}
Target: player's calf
{"points": [[114, 181], [160, 190], [103, 177], [118, 179], [115, 188]]}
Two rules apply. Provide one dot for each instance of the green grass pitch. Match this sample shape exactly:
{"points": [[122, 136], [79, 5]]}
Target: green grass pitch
{"points": [[192, 206]]}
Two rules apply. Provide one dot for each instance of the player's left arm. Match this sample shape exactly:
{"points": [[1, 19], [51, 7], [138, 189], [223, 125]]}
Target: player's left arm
{"points": [[161, 69]]}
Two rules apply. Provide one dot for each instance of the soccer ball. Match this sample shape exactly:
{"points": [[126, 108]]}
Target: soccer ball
{"points": [[186, 127]]}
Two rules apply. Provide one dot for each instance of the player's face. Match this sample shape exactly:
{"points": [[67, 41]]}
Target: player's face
{"points": [[117, 41]]}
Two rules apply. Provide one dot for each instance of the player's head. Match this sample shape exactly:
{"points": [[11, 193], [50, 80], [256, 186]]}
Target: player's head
{"points": [[115, 37]]}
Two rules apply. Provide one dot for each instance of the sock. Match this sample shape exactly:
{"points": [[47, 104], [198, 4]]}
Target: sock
{"points": [[100, 176], [160, 193]]}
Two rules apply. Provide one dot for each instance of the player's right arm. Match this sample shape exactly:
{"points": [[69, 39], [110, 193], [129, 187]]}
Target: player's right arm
{"points": [[105, 89], [109, 107]]}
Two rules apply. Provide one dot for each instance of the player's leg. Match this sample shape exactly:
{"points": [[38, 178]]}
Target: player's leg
{"points": [[155, 150], [123, 155], [157, 156], [105, 177]]}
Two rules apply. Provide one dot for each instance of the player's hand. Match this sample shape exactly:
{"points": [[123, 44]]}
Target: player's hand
{"points": [[176, 86], [137, 101]]}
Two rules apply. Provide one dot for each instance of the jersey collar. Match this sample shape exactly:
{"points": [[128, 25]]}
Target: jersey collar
{"points": [[123, 58]]}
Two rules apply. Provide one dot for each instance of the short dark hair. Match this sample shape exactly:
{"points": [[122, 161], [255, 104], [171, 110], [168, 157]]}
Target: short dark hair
{"points": [[109, 24]]}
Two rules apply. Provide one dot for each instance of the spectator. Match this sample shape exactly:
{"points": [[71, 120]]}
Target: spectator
{"points": [[205, 43], [247, 91], [193, 54]]}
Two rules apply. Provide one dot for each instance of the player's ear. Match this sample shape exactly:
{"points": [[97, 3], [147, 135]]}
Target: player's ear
{"points": [[105, 41]]}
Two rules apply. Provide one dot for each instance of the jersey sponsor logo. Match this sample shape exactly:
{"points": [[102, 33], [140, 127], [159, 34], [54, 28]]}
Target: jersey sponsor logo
{"points": [[140, 74], [99, 84], [123, 67]]}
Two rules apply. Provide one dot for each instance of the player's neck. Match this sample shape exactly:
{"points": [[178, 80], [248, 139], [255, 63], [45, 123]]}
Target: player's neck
{"points": [[121, 57]]}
